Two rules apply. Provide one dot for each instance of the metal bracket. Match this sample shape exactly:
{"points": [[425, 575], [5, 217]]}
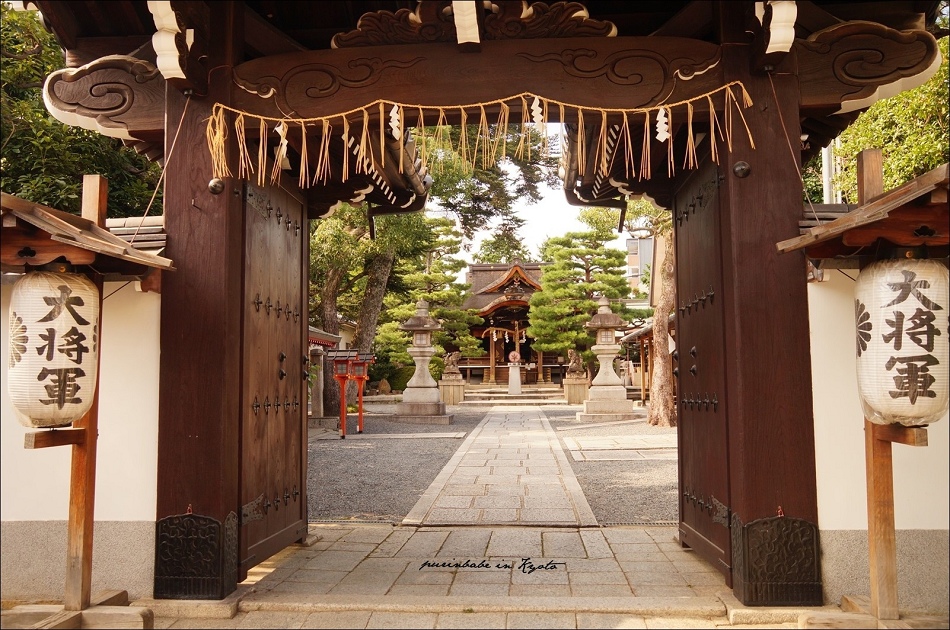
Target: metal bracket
{"points": [[722, 514], [253, 511]]}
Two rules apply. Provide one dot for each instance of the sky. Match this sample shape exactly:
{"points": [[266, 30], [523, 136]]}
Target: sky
{"points": [[552, 216]]}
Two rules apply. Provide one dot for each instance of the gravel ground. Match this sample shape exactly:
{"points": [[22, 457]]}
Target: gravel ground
{"points": [[365, 479]]}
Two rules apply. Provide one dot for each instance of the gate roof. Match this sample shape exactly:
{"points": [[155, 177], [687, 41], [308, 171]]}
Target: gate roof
{"points": [[601, 156]]}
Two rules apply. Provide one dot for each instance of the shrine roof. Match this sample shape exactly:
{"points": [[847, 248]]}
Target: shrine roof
{"points": [[22, 219], [911, 215]]}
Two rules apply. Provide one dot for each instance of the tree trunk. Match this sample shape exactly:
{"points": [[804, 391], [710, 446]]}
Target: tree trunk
{"points": [[662, 411], [330, 322], [377, 276]]}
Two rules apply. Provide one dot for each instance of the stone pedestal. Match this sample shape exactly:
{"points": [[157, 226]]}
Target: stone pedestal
{"points": [[514, 379], [575, 389], [452, 389], [607, 398]]}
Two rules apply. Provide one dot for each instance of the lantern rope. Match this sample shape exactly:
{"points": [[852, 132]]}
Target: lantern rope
{"points": [[488, 144], [795, 158], [158, 186]]}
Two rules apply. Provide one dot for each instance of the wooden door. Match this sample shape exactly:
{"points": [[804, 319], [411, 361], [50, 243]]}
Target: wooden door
{"points": [[275, 365], [700, 366]]}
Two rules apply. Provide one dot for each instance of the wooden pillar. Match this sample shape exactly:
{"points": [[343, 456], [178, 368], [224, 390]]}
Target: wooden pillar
{"points": [[82, 481], [767, 363], [199, 395], [491, 359], [882, 537]]}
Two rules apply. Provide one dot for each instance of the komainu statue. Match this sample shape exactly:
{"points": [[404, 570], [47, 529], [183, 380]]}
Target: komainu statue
{"points": [[452, 363], [574, 364]]}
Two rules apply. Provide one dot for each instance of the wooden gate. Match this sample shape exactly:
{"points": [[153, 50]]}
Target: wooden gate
{"points": [[274, 376], [699, 362]]}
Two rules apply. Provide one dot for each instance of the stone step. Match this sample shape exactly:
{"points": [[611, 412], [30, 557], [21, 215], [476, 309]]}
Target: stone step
{"points": [[523, 394], [503, 400]]}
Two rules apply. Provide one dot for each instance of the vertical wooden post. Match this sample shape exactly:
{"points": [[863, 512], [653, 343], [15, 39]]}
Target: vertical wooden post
{"points": [[491, 359], [882, 540], [82, 479]]}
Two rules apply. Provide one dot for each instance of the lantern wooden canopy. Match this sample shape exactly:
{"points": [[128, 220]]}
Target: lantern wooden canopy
{"points": [[34, 235]]}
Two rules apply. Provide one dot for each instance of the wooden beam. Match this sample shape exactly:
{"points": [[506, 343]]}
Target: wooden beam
{"points": [[27, 245], [56, 437], [615, 72], [911, 436], [265, 38]]}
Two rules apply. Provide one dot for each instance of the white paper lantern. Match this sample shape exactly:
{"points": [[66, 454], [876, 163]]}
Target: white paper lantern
{"points": [[903, 341], [54, 328]]}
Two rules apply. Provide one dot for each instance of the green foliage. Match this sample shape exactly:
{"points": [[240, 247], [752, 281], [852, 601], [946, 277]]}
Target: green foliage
{"points": [[401, 377], [814, 186], [912, 129], [505, 244], [645, 269], [642, 214], [581, 268], [43, 160], [477, 193]]}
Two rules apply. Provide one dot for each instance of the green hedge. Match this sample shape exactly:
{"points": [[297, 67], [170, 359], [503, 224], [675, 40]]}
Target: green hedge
{"points": [[400, 377]]}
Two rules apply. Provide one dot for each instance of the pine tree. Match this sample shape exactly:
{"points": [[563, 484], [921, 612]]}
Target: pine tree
{"points": [[581, 268]]}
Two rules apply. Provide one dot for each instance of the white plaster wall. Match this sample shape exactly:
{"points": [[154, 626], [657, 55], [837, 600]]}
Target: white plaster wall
{"points": [[921, 474], [34, 485]]}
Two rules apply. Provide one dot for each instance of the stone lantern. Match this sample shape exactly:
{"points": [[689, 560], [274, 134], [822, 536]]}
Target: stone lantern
{"points": [[607, 397], [421, 400]]}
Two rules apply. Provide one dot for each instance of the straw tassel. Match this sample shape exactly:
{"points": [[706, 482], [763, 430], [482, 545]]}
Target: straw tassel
{"points": [[302, 178], [747, 102], [670, 166], [525, 119], [581, 144], [382, 134], [322, 172], [346, 148], [690, 161], [216, 135], [602, 143], [363, 149], [713, 127], [421, 139], [245, 163], [645, 168], [501, 132], [491, 141], [463, 140], [262, 153]]}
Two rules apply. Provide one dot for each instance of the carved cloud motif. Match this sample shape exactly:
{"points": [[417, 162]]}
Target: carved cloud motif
{"points": [[115, 95]]}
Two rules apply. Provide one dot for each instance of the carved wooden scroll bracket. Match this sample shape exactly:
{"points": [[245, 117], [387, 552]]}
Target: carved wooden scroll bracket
{"points": [[117, 96], [854, 64]]}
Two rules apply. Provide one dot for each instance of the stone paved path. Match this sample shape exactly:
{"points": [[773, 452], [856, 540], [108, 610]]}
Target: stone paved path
{"points": [[511, 470]]}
